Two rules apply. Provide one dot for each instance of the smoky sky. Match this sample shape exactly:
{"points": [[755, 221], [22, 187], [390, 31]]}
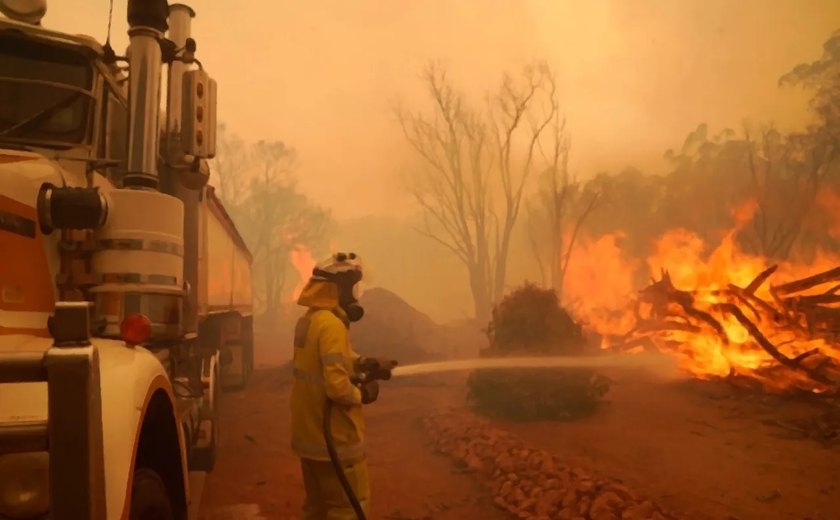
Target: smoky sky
{"points": [[635, 76]]}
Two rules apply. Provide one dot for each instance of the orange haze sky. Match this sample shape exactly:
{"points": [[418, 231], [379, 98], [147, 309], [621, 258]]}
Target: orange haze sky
{"points": [[636, 76]]}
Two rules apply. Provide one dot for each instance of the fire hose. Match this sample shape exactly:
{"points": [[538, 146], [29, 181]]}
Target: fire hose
{"points": [[368, 369]]}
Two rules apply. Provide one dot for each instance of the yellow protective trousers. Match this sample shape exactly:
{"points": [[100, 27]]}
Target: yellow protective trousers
{"points": [[325, 498]]}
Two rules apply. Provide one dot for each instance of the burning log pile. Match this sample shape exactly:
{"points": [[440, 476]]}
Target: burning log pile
{"points": [[787, 337], [531, 483]]}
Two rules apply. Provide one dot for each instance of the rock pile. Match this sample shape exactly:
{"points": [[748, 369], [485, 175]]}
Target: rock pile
{"points": [[393, 328], [531, 483]]}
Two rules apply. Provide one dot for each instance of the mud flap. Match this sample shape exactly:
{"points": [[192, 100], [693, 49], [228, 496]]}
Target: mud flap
{"points": [[235, 366], [205, 447]]}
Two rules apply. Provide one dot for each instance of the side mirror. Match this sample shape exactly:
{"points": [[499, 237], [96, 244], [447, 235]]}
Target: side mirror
{"points": [[198, 115]]}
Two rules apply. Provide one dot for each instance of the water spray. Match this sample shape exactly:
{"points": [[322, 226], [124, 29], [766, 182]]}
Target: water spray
{"points": [[372, 369], [661, 365]]}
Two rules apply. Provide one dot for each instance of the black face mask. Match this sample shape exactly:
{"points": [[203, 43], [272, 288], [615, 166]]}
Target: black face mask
{"points": [[346, 299], [354, 311], [346, 281]]}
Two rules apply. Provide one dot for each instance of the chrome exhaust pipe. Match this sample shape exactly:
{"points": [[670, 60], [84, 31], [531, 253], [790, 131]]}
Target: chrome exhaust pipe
{"points": [[147, 20]]}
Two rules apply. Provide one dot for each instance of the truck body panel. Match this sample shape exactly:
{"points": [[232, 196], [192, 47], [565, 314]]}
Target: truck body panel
{"points": [[225, 262], [27, 294]]}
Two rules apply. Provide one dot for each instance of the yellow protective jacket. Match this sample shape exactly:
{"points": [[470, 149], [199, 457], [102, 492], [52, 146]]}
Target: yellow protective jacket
{"points": [[323, 363]]}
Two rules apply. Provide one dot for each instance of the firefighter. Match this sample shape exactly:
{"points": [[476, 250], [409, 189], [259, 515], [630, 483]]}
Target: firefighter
{"points": [[324, 362]]}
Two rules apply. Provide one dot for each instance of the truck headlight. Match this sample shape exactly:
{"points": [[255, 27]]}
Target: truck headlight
{"points": [[24, 485]]}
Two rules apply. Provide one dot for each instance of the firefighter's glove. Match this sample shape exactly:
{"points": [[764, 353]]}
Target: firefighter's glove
{"points": [[370, 392], [376, 368]]}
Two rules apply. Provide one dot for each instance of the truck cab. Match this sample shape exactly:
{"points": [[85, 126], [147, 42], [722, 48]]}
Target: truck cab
{"points": [[125, 296]]}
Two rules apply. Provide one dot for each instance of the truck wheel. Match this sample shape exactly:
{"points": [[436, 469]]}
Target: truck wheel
{"points": [[149, 498]]}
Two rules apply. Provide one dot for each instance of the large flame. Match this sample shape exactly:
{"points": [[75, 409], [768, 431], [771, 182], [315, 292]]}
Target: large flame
{"points": [[707, 307], [301, 258], [602, 265]]}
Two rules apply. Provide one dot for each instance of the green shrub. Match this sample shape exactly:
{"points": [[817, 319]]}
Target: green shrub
{"points": [[530, 322], [530, 319], [541, 394]]}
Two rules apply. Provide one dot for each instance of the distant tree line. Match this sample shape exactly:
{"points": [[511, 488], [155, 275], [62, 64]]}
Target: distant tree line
{"points": [[793, 180], [482, 163], [256, 182]]}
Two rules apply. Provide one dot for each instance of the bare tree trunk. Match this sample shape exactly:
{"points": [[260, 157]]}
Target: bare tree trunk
{"points": [[512, 106], [558, 196], [545, 273], [558, 284], [461, 156]]}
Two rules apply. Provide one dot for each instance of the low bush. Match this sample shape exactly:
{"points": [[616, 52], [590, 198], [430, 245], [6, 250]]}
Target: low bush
{"points": [[530, 322]]}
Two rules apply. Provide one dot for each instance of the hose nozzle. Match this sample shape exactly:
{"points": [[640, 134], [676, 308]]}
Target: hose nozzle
{"points": [[372, 369]]}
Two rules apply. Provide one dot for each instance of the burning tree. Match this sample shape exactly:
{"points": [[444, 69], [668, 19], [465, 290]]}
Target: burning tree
{"points": [[752, 309], [559, 210]]}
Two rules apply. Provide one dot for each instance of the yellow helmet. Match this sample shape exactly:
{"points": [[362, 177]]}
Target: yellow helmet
{"points": [[345, 270], [337, 264]]}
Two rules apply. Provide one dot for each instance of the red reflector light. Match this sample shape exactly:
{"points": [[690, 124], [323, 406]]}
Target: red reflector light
{"points": [[135, 329]]}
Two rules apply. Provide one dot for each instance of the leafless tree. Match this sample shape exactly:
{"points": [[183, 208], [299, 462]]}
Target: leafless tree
{"points": [[558, 201], [468, 156]]}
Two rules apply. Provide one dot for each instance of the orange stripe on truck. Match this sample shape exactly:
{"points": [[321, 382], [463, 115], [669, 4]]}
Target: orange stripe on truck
{"points": [[25, 281], [6, 158], [7, 331]]}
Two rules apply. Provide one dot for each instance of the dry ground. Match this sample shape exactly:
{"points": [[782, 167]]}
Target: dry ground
{"points": [[256, 464], [700, 449]]}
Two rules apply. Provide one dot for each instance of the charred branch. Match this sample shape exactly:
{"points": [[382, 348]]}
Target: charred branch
{"points": [[807, 283], [667, 317], [793, 363], [760, 279]]}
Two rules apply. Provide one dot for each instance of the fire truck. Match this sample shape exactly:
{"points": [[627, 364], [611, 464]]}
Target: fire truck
{"points": [[125, 291]]}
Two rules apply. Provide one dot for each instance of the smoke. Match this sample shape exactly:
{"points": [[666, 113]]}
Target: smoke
{"points": [[633, 77]]}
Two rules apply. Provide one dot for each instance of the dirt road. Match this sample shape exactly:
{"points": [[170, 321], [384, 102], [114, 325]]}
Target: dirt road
{"points": [[700, 449]]}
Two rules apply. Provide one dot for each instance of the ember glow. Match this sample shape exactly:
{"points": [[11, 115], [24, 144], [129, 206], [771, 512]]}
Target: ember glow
{"points": [[721, 312]]}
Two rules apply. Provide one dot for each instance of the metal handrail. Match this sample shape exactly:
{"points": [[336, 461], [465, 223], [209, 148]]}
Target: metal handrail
{"points": [[22, 367]]}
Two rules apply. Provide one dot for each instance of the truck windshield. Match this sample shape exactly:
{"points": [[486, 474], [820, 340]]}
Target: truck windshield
{"points": [[45, 92]]}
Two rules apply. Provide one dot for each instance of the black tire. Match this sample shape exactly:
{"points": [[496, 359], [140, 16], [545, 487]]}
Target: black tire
{"points": [[149, 497]]}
